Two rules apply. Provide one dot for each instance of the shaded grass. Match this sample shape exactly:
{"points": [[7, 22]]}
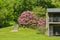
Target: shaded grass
{"points": [[23, 34]]}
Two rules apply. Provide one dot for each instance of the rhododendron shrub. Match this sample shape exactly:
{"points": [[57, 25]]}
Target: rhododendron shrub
{"points": [[27, 18], [41, 22]]}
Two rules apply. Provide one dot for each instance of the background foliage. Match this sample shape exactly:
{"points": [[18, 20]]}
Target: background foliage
{"points": [[11, 9]]}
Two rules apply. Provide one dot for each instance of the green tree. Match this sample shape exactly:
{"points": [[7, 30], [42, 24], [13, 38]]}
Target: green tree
{"points": [[6, 12], [45, 3], [56, 3]]}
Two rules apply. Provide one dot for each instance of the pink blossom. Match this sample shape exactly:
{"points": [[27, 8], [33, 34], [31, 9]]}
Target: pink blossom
{"points": [[27, 17], [41, 21]]}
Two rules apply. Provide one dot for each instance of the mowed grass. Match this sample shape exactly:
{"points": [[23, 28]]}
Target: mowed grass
{"points": [[24, 34]]}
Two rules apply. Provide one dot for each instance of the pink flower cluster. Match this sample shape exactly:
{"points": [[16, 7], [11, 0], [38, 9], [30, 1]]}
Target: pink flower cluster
{"points": [[27, 17], [41, 21]]}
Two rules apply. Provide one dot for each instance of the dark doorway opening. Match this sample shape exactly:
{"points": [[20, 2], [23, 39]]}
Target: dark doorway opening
{"points": [[56, 30]]}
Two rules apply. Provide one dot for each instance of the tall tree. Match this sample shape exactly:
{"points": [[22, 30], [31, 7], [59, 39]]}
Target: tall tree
{"points": [[27, 5], [45, 3]]}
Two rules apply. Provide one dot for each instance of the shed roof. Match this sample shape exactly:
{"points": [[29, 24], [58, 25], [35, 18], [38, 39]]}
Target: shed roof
{"points": [[53, 9]]}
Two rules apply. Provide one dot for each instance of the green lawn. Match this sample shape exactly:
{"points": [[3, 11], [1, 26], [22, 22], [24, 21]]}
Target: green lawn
{"points": [[23, 34]]}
